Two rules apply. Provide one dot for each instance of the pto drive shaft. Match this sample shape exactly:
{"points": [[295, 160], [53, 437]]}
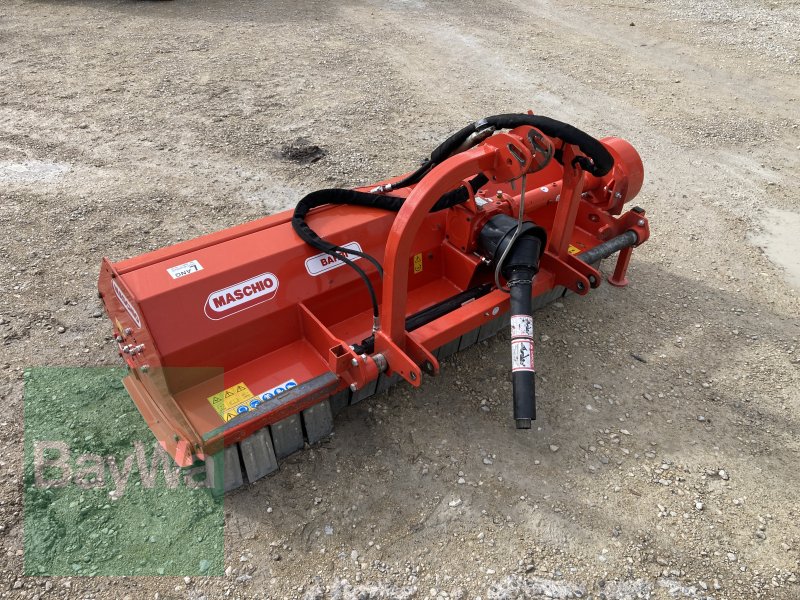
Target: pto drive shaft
{"points": [[519, 268]]}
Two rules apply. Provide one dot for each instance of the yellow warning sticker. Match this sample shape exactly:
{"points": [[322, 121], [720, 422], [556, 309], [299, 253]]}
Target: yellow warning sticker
{"points": [[573, 249], [418, 263], [232, 401]]}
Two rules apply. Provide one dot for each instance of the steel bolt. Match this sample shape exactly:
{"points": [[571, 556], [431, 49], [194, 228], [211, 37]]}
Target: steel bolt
{"points": [[380, 362], [640, 222], [617, 195], [128, 331], [413, 376], [353, 387], [354, 362], [144, 368]]}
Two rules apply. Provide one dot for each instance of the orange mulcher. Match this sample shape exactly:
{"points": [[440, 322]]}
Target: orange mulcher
{"points": [[245, 343]]}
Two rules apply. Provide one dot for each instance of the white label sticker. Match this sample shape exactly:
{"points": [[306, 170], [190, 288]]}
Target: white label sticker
{"points": [[320, 263], [185, 269], [123, 299], [521, 355], [521, 326], [241, 296]]}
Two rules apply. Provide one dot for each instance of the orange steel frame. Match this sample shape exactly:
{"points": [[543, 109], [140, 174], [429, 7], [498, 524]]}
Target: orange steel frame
{"points": [[307, 330]]}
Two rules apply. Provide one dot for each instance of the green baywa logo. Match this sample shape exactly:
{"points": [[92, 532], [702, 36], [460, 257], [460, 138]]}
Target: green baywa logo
{"points": [[55, 466]]}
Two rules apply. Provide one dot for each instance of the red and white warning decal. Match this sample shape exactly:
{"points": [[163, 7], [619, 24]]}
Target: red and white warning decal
{"points": [[522, 355], [241, 296], [320, 263], [126, 304], [521, 326]]}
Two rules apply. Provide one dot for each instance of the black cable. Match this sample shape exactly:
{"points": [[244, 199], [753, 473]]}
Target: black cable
{"points": [[353, 197], [598, 163], [372, 296], [413, 177]]}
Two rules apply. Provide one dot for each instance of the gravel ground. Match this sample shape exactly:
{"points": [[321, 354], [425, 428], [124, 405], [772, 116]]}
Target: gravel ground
{"points": [[125, 126]]}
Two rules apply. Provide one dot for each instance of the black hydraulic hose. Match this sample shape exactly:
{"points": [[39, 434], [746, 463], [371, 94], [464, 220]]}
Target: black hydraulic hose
{"points": [[598, 163], [368, 200], [353, 197], [411, 179]]}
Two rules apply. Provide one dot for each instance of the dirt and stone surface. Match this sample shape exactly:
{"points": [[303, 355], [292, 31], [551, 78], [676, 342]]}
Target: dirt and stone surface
{"points": [[664, 463]]}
